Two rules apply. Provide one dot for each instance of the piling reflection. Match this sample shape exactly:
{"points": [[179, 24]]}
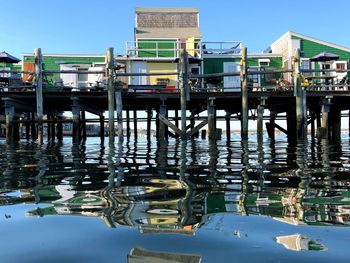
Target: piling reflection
{"points": [[177, 186]]}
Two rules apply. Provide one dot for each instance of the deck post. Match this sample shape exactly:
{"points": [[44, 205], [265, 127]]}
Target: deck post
{"points": [[102, 129], [76, 132], [291, 126], [260, 123], [83, 124], [135, 125], [270, 126], [300, 97], [324, 121], [33, 127], [149, 116], [49, 126], [162, 126], [177, 121], [183, 89], [244, 91], [228, 126], [39, 93], [211, 121], [119, 101], [313, 114], [10, 130], [111, 92], [336, 124], [28, 126], [53, 128], [59, 134], [128, 124]]}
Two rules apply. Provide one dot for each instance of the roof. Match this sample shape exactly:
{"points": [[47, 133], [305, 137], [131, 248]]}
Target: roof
{"points": [[166, 10], [291, 33], [181, 32]]}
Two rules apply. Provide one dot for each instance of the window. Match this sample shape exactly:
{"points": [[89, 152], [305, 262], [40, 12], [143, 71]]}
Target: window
{"points": [[305, 65], [340, 66]]}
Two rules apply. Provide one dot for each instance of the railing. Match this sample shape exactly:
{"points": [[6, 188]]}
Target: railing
{"points": [[161, 48], [172, 48]]}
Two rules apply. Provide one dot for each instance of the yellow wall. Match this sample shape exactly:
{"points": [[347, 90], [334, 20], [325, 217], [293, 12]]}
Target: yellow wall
{"points": [[162, 67]]}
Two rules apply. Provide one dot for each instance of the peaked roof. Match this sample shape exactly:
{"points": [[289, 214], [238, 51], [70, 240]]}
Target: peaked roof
{"points": [[322, 42]]}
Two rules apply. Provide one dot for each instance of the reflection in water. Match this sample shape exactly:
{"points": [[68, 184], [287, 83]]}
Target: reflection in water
{"points": [[140, 255], [178, 187], [299, 242]]}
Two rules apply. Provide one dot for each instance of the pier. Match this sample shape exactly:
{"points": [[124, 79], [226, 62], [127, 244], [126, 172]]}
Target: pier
{"points": [[313, 107]]}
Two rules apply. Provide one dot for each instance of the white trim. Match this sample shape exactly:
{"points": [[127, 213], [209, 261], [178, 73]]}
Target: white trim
{"points": [[320, 41], [262, 55], [289, 34], [65, 55]]}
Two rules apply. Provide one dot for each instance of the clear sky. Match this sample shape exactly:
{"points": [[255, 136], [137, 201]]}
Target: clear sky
{"points": [[90, 26]]}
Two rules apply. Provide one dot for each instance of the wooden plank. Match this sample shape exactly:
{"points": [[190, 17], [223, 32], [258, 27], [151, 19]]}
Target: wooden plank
{"points": [[170, 125], [197, 128]]}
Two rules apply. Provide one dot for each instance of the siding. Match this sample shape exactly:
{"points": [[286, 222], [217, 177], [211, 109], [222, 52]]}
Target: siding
{"points": [[53, 62], [157, 47], [162, 67], [216, 65], [311, 49]]}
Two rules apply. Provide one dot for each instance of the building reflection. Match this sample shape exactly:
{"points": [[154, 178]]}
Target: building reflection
{"points": [[176, 195]]}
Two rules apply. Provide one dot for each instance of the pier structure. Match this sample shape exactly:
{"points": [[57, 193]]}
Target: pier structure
{"points": [[30, 109]]}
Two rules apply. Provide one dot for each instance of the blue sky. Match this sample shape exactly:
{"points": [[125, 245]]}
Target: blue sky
{"points": [[90, 26]]}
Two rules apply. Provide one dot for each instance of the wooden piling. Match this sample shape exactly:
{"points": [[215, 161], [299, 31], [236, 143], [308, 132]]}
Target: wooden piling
{"points": [[135, 124], [59, 134], [313, 114], [102, 129], [128, 124], [111, 93], [83, 125], [48, 126], [118, 99], [300, 97], [39, 93], [211, 120], [244, 91], [10, 114], [270, 126], [260, 123], [33, 127], [149, 116], [76, 132], [27, 125], [228, 126], [177, 121], [183, 89], [324, 122], [336, 124], [162, 126]]}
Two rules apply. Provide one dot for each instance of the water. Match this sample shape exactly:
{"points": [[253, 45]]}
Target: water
{"points": [[175, 202]]}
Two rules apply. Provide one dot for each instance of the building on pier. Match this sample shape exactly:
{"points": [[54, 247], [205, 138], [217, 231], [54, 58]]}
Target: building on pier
{"points": [[310, 47]]}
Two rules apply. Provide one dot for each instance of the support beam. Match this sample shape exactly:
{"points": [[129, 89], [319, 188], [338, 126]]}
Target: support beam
{"points": [[27, 126], [312, 124], [260, 124], [183, 89], [244, 90], [48, 126], [76, 135], [164, 120], [111, 93], [128, 124], [211, 121], [135, 124], [162, 126], [324, 123], [270, 126], [83, 125], [59, 128], [39, 93], [33, 127], [118, 99], [196, 129], [300, 96], [102, 129], [291, 126], [10, 114], [149, 116], [228, 127]]}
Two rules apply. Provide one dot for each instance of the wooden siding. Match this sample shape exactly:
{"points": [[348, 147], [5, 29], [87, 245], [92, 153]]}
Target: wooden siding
{"points": [[311, 49], [162, 67], [216, 65], [167, 20], [53, 62]]}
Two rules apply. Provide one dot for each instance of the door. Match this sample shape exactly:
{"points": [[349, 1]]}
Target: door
{"points": [[139, 67], [232, 83]]}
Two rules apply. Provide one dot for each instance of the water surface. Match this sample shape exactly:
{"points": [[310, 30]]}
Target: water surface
{"points": [[194, 201]]}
